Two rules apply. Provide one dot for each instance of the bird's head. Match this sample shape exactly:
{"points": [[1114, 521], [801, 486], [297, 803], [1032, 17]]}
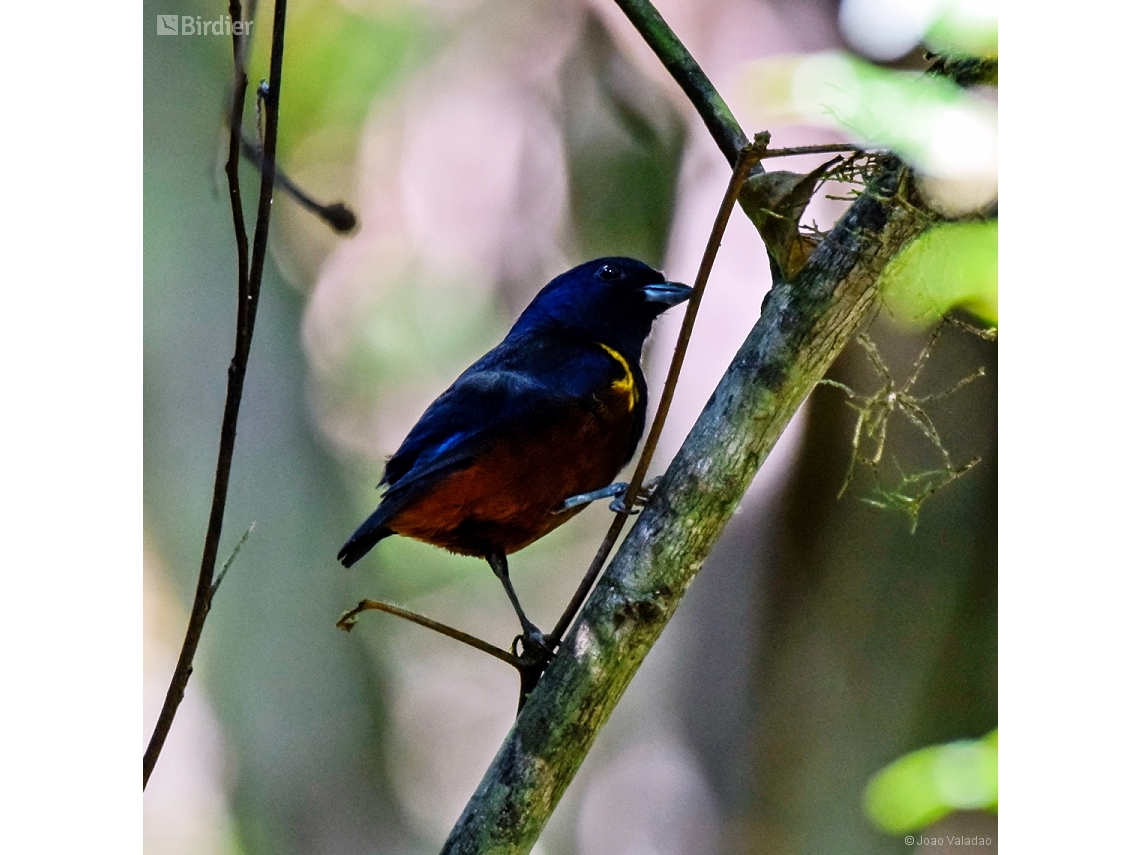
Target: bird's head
{"points": [[613, 300]]}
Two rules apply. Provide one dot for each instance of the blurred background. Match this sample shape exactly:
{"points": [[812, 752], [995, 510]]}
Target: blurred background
{"points": [[486, 146]]}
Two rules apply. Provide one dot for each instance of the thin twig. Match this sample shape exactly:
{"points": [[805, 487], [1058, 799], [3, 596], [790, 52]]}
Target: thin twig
{"points": [[337, 215], [828, 148], [230, 561], [348, 621], [249, 289], [749, 156]]}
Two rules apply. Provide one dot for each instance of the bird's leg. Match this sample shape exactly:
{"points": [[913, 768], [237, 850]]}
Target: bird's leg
{"points": [[532, 635]]}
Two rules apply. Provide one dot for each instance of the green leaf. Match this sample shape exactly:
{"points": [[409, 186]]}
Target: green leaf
{"points": [[953, 265], [922, 787]]}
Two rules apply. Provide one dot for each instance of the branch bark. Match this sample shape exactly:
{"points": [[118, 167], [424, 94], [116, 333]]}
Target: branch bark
{"points": [[804, 325]]}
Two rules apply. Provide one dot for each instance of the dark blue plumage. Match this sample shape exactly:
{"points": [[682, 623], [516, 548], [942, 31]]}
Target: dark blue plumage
{"points": [[553, 411]]}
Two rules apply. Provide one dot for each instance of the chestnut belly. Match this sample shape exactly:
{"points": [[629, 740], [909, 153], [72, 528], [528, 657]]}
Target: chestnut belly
{"points": [[506, 498]]}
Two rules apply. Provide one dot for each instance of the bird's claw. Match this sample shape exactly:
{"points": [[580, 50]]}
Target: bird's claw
{"points": [[618, 505], [618, 490], [531, 646]]}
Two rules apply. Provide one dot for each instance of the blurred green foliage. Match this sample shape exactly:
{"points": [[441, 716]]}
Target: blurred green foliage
{"points": [[895, 109], [415, 331], [965, 28], [925, 785], [949, 266], [337, 63]]}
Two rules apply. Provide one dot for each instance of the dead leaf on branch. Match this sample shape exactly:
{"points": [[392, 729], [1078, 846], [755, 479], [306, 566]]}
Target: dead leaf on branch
{"points": [[775, 201]]}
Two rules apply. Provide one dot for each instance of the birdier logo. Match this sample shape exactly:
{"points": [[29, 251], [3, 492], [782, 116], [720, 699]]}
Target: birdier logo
{"points": [[193, 25]]}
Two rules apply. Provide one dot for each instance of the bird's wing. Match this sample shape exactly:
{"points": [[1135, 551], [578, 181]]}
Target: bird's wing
{"points": [[477, 409], [520, 383]]}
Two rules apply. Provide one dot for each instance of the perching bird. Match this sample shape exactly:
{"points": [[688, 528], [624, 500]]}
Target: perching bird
{"points": [[552, 413]]}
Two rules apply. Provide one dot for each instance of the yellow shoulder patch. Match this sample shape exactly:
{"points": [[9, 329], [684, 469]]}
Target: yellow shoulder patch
{"points": [[625, 384]]}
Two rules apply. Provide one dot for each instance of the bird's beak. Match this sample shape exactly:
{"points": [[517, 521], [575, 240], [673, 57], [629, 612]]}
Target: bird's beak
{"points": [[669, 293]]}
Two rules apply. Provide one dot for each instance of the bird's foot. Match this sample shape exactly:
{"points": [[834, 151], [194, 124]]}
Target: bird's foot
{"points": [[532, 647], [618, 505], [615, 489], [533, 652]]}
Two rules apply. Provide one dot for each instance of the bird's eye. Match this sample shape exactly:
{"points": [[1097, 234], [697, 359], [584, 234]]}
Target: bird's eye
{"points": [[609, 273]]}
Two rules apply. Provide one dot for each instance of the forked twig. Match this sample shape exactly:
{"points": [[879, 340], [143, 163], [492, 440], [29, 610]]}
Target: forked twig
{"points": [[249, 289], [337, 215], [233, 555], [826, 148]]}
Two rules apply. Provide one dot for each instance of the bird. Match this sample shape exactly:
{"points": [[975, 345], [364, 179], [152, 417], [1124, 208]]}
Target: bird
{"points": [[534, 430]]}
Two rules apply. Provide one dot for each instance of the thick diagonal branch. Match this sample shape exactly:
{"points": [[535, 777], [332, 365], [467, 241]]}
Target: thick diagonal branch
{"points": [[804, 325]]}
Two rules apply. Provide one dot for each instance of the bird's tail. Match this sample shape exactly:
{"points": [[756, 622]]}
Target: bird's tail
{"points": [[371, 532]]}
